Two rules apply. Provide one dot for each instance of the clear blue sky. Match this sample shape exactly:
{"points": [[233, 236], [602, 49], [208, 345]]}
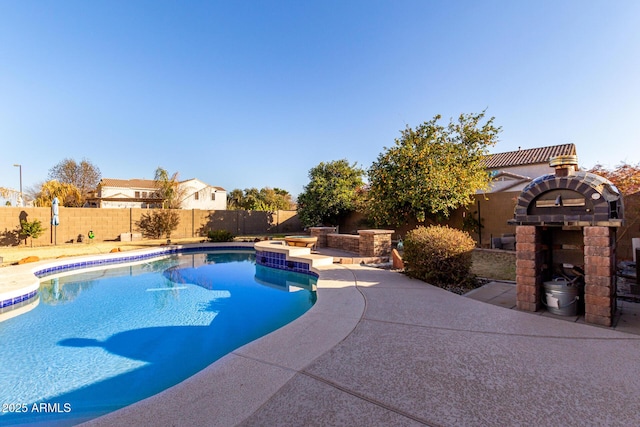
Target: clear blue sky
{"points": [[255, 93]]}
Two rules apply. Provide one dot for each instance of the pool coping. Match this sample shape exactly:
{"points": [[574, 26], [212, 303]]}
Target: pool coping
{"points": [[234, 387]]}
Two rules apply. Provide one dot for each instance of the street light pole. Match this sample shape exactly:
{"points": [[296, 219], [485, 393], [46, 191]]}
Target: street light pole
{"points": [[21, 198]]}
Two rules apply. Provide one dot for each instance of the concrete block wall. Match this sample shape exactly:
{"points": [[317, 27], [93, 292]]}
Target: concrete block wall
{"points": [[108, 224], [10, 218], [75, 221]]}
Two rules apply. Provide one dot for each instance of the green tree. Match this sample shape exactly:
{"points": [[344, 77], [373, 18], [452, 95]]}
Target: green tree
{"points": [[273, 199], [430, 170], [169, 189], [251, 200], [333, 191], [235, 199], [32, 229], [84, 175], [265, 199]]}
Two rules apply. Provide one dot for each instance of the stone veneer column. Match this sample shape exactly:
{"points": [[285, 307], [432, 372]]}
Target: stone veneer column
{"points": [[528, 267], [321, 234], [599, 278], [375, 243]]}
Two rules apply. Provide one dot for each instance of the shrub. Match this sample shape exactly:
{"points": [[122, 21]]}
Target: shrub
{"points": [[219, 236], [439, 255], [158, 223], [33, 229]]}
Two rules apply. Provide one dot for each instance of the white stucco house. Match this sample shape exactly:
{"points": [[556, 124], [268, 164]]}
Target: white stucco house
{"points": [[199, 195], [513, 170], [143, 193]]}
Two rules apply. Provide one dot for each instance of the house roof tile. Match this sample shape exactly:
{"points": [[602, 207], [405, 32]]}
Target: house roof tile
{"points": [[139, 183], [528, 156], [129, 183]]}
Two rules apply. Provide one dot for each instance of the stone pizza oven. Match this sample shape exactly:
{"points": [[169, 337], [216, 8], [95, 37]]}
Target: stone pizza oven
{"points": [[568, 221]]}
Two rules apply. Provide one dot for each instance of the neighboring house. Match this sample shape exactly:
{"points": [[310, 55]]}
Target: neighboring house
{"points": [[143, 193], [199, 195], [512, 171], [125, 193]]}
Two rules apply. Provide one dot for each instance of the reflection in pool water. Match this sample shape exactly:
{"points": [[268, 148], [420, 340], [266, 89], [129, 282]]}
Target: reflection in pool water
{"points": [[102, 340]]}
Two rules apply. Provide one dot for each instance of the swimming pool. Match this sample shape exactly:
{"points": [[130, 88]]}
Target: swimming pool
{"points": [[100, 340]]}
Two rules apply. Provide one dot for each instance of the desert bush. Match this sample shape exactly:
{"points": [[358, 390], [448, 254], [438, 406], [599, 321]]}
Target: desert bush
{"points": [[219, 236], [439, 255], [158, 223]]}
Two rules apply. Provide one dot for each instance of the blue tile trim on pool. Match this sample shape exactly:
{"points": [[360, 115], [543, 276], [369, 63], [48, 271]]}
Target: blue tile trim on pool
{"points": [[279, 260], [268, 259], [18, 299], [92, 263]]}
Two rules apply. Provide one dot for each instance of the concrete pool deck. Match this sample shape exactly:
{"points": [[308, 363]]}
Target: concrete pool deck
{"points": [[379, 348], [382, 349]]}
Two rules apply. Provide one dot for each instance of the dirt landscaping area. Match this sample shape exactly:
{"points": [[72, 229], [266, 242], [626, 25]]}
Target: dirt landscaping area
{"points": [[494, 264]]}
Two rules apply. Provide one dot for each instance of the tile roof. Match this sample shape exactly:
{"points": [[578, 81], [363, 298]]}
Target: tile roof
{"points": [[139, 183], [128, 183], [529, 156]]}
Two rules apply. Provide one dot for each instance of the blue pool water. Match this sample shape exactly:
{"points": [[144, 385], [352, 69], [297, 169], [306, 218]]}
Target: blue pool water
{"points": [[100, 340]]}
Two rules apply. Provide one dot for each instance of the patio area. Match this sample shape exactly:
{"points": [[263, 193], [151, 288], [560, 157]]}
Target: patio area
{"points": [[503, 294]]}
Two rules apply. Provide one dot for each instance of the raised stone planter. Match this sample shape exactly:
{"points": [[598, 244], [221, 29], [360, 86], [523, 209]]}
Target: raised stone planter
{"points": [[321, 233]]}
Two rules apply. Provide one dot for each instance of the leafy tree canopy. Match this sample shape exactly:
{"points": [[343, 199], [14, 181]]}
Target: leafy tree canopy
{"points": [[431, 169], [265, 199], [32, 229], [169, 189], [334, 190], [84, 176], [68, 194], [625, 176]]}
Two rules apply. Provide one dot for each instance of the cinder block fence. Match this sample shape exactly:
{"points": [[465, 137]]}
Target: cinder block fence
{"points": [[109, 224]]}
